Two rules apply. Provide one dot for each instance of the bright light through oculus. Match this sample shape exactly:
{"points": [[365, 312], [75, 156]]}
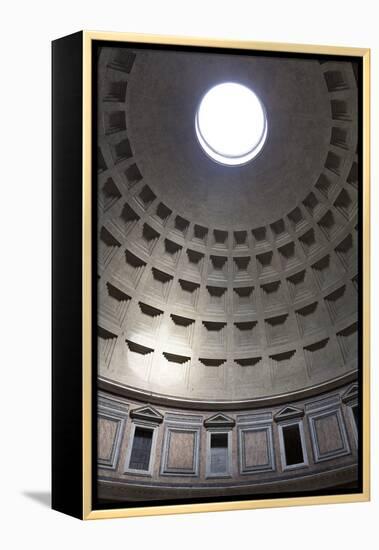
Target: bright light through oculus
{"points": [[231, 124]]}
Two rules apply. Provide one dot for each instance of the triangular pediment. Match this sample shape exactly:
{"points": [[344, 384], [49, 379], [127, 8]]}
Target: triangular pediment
{"points": [[219, 420], [148, 413], [288, 412], [350, 394]]}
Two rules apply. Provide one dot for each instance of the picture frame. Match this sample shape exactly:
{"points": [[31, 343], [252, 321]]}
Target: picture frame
{"points": [[158, 406]]}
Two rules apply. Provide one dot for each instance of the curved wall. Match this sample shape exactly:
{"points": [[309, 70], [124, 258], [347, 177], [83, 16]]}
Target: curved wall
{"points": [[222, 312], [255, 459], [226, 293]]}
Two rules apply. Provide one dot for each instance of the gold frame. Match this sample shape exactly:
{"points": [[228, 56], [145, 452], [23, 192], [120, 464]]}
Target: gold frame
{"points": [[88, 512]]}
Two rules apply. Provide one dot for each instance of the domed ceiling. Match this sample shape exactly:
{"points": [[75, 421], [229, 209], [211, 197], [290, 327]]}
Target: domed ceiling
{"points": [[216, 283], [160, 122]]}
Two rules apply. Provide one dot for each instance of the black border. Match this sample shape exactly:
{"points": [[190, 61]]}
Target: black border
{"points": [[67, 184], [96, 44]]}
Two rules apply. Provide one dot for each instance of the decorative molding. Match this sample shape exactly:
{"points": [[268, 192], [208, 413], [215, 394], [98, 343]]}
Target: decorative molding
{"points": [[254, 418], [219, 420], [322, 404], [147, 414], [350, 395], [130, 392], [181, 418], [287, 413], [108, 401]]}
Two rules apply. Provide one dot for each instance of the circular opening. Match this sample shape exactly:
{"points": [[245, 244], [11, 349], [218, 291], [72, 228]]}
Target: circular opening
{"points": [[231, 124]]}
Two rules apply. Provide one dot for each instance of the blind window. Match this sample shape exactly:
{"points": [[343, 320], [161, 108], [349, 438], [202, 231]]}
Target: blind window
{"points": [[219, 453], [140, 456], [292, 445], [355, 410]]}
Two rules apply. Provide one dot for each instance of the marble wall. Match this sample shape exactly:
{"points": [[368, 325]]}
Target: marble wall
{"points": [[307, 445]]}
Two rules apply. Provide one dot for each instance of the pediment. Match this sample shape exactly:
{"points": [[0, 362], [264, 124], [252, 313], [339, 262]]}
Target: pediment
{"points": [[147, 413], [219, 420], [350, 394], [288, 412]]}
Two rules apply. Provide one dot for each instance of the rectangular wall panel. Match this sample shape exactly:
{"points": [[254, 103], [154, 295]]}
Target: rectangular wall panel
{"points": [[110, 429], [256, 449], [328, 433], [106, 435], [180, 453]]}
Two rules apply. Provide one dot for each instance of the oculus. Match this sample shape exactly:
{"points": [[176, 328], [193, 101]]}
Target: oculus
{"points": [[231, 124]]}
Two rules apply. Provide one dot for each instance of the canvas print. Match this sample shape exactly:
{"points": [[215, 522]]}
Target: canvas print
{"points": [[228, 304]]}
